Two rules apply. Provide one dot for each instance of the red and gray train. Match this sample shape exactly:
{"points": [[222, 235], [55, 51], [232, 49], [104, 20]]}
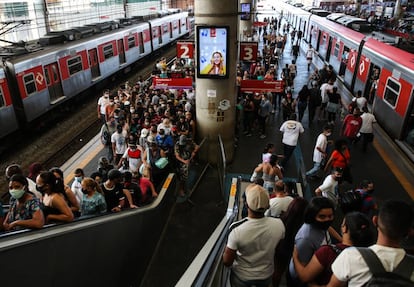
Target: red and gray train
{"points": [[32, 84], [381, 71]]}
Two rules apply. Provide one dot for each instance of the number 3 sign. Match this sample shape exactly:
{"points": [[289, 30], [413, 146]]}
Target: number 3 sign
{"points": [[248, 51], [185, 50]]}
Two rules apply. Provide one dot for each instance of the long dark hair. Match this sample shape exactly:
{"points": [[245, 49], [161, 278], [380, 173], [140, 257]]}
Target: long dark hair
{"points": [[361, 229], [56, 184]]}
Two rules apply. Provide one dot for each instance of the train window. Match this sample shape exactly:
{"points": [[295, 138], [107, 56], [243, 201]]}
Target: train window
{"points": [[108, 51], [131, 42], [75, 65], [392, 90], [47, 76], [29, 83], [336, 49], [2, 101]]}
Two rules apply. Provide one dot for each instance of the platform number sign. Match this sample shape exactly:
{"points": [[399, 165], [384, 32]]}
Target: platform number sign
{"points": [[185, 50], [248, 51]]}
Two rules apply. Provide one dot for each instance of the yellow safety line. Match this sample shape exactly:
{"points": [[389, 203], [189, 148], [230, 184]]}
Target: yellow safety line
{"points": [[409, 188], [83, 163]]}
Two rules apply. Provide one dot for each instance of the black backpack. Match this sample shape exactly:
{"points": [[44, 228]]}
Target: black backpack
{"points": [[400, 277]]}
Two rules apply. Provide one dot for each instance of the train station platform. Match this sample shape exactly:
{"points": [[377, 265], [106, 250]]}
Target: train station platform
{"points": [[189, 224]]}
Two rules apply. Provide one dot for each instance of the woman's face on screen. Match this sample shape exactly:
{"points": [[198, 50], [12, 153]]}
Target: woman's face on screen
{"points": [[216, 58]]}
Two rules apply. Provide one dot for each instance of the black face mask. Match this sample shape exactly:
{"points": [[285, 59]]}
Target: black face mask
{"points": [[84, 191], [324, 225], [40, 189]]}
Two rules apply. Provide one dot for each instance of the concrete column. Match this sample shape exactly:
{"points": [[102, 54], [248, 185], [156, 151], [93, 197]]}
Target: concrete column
{"points": [[211, 120], [246, 27]]}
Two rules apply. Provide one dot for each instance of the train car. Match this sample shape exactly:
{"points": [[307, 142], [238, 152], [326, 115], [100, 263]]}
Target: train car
{"points": [[35, 83], [384, 73], [8, 118]]}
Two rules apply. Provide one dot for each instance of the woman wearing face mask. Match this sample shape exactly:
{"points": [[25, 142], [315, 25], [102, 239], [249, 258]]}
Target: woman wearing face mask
{"points": [[357, 230], [54, 198], [72, 201], [340, 158], [318, 217], [93, 202], [25, 210]]}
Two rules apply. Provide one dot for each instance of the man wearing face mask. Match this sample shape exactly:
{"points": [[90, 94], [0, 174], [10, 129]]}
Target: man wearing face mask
{"points": [[119, 143], [319, 152], [76, 185], [329, 186], [25, 209], [102, 103]]}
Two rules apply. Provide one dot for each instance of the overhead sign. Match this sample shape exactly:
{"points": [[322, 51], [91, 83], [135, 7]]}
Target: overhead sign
{"points": [[185, 50], [175, 83], [248, 51], [257, 86]]}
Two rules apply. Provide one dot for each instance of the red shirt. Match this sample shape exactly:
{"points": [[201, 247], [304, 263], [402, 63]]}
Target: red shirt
{"points": [[351, 126], [340, 160], [326, 255]]}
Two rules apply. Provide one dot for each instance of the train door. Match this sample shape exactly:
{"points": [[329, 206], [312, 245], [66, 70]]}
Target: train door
{"points": [[159, 33], [53, 82], [141, 42], [328, 51], [170, 25], [94, 64], [372, 81], [121, 51], [408, 132]]}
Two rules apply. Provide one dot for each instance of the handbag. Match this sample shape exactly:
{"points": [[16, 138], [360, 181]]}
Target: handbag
{"points": [[332, 107], [161, 162]]}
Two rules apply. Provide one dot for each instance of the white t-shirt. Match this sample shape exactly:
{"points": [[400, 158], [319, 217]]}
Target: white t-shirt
{"points": [[350, 266], [291, 130], [367, 121], [120, 142], [321, 142], [328, 188], [361, 102], [324, 91], [278, 205], [102, 103], [309, 53], [255, 241]]}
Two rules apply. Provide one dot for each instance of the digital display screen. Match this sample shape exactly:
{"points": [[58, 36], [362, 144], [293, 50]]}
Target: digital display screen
{"points": [[212, 46], [245, 11]]}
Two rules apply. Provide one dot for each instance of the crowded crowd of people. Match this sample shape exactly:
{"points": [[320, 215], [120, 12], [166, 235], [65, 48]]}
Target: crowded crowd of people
{"points": [[146, 133]]}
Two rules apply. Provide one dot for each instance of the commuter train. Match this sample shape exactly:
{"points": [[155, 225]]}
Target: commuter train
{"points": [[383, 72], [32, 84]]}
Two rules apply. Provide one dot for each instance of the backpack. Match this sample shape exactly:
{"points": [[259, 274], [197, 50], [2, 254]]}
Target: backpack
{"points": [[105, 136], [350, 200], [400, 277]]}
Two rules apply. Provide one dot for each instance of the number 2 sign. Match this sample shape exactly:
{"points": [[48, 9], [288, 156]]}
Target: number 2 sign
{"points": [[185, 50], [248, 51]]}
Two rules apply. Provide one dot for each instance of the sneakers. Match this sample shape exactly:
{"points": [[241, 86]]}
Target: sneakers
{"points": [[263, 136], [248, 135]]}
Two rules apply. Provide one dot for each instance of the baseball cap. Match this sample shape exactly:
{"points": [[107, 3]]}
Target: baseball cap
{"points": [[257, 198]]}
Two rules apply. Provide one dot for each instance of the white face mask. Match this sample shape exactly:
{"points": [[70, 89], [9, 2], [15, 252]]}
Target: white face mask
{"points": [[328, 134], [78, 178], [17, 193]]}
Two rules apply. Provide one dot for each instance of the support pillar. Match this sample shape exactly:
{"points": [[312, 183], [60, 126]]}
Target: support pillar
{"points": [[212, 118], [246, 26]]}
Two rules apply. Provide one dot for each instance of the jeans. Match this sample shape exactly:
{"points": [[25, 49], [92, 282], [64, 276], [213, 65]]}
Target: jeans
{"points": [[237, 282], [287, 152], [316, 167]]}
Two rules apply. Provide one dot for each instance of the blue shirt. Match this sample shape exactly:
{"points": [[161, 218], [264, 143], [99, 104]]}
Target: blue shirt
{"points": [[93, 205]]}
